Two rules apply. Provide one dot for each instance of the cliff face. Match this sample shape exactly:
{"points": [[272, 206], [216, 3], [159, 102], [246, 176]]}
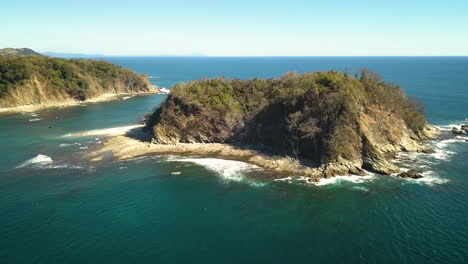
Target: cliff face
{"points": [[43, 80], [336, 123]]}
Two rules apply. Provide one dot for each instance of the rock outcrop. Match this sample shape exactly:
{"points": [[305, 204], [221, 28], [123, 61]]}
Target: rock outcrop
{"points": [[339, 124], [412, 173], [457, 131]]}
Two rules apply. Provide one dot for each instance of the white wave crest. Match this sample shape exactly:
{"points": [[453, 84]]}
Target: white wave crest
{"points": [[164, 90], [69, 144], [39, 159], [446, 142], [429, 178], [346, 178], [34, 120], [229, 170], [45, 162], [127, 97], [450, 126]]}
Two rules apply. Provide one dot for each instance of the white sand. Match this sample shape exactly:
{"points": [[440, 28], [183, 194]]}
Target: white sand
{"points": [[114, 131]]}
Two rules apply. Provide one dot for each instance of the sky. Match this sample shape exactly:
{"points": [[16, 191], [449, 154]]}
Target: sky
{"points": [[238, 28]]}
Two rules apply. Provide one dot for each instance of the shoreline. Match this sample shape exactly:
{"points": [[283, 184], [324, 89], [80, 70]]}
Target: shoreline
{"points": [[121, 147], [125, 143], [70, 103]]}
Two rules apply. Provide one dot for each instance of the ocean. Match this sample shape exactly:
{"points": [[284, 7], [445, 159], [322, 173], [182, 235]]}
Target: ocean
{"points": [[56, 208]]}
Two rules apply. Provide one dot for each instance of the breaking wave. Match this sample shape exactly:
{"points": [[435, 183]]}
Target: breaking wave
{"points": [[45, 162], [328, 181], [39, 159], [229, 170]]}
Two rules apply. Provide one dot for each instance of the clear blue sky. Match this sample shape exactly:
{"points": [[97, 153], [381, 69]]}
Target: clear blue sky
{"points": [[237, 28]]}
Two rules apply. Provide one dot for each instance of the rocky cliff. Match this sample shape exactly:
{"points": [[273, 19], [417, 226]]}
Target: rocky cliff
{"points": [[334, 123]]}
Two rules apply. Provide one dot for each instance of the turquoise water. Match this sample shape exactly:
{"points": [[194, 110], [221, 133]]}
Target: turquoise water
{"points": [[57, 209]]}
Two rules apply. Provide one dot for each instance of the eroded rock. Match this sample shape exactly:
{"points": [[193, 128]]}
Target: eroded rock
{"points": [[412, 173], [457, 131]]}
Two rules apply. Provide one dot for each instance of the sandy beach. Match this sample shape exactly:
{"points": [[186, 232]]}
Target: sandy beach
{"points": [[125, 147]]}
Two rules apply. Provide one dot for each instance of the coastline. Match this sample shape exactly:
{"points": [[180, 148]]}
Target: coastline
{"points": [[125, 143], [69, 103], [124, 147]]}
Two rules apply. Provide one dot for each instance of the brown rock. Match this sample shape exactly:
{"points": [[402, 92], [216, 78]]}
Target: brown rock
{"points": [[457, 131], [465, 128], [412, 173]]}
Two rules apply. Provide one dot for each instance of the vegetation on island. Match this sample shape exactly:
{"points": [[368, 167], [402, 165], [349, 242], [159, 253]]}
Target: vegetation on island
{"points": [[37, 79], [18, 52], [322, 117]]}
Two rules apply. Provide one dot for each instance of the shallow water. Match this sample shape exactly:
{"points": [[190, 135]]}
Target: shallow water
{"points": [[56, 209]]}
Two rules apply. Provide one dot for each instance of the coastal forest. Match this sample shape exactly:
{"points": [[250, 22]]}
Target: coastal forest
{"points": [[38, 79]]}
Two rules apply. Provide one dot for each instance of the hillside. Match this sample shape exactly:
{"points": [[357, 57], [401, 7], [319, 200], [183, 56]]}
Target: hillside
{"points": [[32, 80], [335, 123], [18, 52]]}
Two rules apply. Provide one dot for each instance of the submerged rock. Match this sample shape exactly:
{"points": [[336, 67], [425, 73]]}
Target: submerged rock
{"points": [[412, 173]]}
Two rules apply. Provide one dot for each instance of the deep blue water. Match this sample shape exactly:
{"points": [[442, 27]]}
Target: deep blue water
{"points": [[138, 211]]}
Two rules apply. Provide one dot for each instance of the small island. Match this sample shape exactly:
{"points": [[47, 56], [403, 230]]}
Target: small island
{"points": [[31, 81], [316, 124]]}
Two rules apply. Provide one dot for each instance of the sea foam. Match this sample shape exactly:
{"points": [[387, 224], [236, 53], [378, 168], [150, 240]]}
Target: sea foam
{"points": [[229, 170], [45, 162], [39, 159]]}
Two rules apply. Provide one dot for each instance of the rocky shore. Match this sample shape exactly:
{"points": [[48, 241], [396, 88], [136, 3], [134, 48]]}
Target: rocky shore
{"points": [[132, 142]]}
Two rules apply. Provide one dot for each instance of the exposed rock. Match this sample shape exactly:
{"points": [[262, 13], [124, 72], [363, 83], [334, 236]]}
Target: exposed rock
{"points": [[428, 151], [429, 132], [412, 173], [457, 131], [464, 128]]}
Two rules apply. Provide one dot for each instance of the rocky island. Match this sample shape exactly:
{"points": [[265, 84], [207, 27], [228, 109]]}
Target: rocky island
{"points": [[30, 81], [317, 124]]}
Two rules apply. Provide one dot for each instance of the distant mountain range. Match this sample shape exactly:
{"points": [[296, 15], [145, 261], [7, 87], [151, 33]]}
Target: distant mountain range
{"points": [[18, 52]]}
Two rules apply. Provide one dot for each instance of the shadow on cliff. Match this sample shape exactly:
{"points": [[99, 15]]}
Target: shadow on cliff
{"points": [[139, 134]]}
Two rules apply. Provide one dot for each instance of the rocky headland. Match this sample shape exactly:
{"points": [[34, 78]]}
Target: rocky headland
{"points": [[318, 124]]}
